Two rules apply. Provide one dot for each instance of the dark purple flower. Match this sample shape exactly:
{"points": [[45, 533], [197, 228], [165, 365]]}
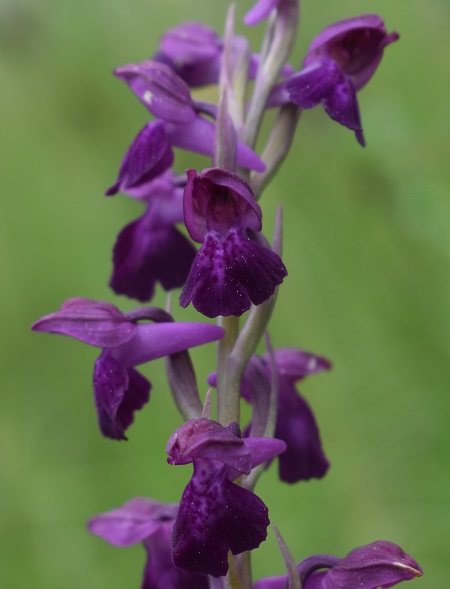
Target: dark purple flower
{"points": [[216, 515], [296, 425], [340, 61], [151, 249], [380, 564], [232, 269], [149, 522], [119, 389]]}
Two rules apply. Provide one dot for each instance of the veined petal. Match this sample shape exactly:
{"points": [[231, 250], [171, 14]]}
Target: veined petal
{"points": [[160, 90], [380, 564], [133, 522], [227, 276], [161, 339], [96, 323], [216, 516]]}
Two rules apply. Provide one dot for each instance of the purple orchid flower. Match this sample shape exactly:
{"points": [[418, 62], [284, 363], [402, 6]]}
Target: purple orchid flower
{"points": [[340, 61], [151, 249], [216, 515], [119, 389], [380, 564], [149, 522], [232, 268], [296, 425]]}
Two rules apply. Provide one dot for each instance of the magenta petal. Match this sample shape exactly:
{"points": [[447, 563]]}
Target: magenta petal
{"points": [[133, 522], [118, 392], [216, 516], [260, 11], [161, 339], [159, 89], [93, 322]]}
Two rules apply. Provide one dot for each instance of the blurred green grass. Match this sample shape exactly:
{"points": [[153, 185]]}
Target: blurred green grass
{"points": [[366, 244]]}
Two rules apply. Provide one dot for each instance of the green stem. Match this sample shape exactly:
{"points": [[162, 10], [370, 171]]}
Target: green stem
{"points": [[228, 387]]}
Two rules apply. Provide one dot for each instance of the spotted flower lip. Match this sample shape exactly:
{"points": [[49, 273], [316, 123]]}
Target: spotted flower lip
{"points": [[340, 61], [379, 564], [119, 389], [217, 516], [232, 269], [149, 522]]}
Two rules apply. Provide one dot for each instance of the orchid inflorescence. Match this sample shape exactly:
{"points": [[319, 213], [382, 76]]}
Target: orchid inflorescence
{"points": [[204, 541]]}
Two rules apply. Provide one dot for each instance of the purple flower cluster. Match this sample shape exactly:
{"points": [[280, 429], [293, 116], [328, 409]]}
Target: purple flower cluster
{"points": [[193, 544]]}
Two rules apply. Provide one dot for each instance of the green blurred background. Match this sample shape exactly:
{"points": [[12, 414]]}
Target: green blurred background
{"points": [[366, 244]]}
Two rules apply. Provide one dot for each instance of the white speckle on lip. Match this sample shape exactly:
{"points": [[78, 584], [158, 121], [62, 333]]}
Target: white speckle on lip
{"points": [[148, 96]]}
